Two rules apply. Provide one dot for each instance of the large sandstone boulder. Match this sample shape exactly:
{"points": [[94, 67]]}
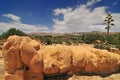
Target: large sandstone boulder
{"points": [[27, 59], [73, 59], [18, 53], [11, 54]]}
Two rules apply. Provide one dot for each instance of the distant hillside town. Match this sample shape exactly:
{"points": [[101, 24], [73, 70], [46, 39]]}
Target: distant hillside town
{"points": [[72, 33]]}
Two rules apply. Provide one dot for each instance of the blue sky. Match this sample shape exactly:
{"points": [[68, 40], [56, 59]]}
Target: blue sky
{"points": [[58, 16]]}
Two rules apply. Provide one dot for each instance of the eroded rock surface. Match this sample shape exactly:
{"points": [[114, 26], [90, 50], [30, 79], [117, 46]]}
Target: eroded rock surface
{"points": [[95, 77], [18, 53], [27, 59]]}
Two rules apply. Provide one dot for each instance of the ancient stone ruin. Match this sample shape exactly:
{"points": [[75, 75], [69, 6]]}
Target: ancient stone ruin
{"points": [[27, 59]]}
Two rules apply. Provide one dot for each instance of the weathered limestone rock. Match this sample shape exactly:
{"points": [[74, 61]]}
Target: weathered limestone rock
{"points": [[11, 54], [97, 42], [56, 59], [35, 44], [115, 50], [74, 59], [26, 59], [13, 77], [18, 53]]}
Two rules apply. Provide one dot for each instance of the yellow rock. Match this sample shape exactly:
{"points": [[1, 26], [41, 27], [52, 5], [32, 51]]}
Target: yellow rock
{"points": [[36, 60]]}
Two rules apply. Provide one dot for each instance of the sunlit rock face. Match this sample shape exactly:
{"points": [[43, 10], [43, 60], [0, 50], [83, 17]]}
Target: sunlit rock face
{"points": [[27, 59], [18, 53]]}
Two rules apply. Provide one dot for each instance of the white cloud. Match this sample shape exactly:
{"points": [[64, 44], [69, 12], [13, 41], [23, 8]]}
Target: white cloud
{"points": [[24, 27], [91, 2], [62, 11], [116, 27], [79, 19], [115, 3], [82, 19], [16, 23], [12, 17]]}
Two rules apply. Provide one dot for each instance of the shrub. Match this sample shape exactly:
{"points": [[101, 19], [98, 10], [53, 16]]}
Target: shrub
{"points": [[12, 31], [102, 46], [90, 38], [110, 39], [116, 41], [45, 39]]}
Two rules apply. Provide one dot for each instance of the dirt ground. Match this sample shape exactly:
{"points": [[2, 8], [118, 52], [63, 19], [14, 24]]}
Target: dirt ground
{"points": [[111, 77], [1, 66]]}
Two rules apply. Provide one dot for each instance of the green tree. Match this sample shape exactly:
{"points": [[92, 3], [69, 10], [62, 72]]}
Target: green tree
{"points": [[12, 31]]}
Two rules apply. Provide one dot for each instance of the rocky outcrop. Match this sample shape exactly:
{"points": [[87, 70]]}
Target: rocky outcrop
{"points": [[18, 53], [115, 50], [26, 59]]}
